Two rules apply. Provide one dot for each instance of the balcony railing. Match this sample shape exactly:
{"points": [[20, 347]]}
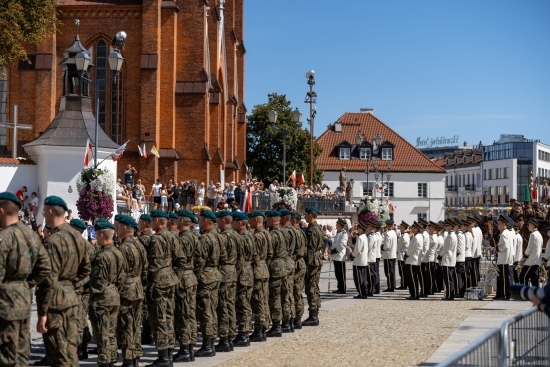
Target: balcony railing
{"points": [[452, 188], [470, 187]]}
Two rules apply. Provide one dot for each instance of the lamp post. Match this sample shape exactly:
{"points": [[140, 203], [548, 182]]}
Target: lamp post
{"points": [[311, 98], [82, 61]]}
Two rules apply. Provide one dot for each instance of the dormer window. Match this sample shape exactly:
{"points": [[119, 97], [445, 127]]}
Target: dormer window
{"points": [[364, 153], [387, 154], [345, 153]]}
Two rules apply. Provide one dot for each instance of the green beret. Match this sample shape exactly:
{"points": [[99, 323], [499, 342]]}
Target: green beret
{"points": [[145, 218], [159, 214], [185, 213], [255, 214], [239, 216], [117, 217], [77, 223], [194, 219], [103, 224], [208, 214], [312, 209], [11, 197], [272, 213], [126, 220], [296, 215], [172, 215], [285, 212], [224, 213], [56, 201]]}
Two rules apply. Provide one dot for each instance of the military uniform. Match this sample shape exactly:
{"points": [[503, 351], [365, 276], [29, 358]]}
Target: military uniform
{"points": [[260, 291], [314, 264], [24, 263], [245, 283], [131, 295], [277, 273], [146, 336], [299, 276], [287, 295], [57, 298], [107, 276]]}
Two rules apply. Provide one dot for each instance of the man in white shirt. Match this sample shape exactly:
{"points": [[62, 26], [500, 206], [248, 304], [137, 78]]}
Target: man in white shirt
{"points": [[360, 262], [338, 250], [210, 194], [477, 250], [389, 254], [432, 255], [518, 251], [412, 261], [375, 267], [425, 281], [532, 258], [273, 186], [460, 267], [447, 258], [402, 247], [504, 247], [155, 191]]}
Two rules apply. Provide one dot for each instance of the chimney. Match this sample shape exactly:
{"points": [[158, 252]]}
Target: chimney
{"points": [[338, 127], [366, 110]]}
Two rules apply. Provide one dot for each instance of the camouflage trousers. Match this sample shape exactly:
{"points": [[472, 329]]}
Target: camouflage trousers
{"points": [[287, 297], [299, 277], [275, 302], [227, 317], [82, 319], [14, 342], [128, 330], [104, 329], [185, 319], [61, 339], [145, 314], [161, 316], [313, 274], [259, 303], [207, 302], [244, 310]]}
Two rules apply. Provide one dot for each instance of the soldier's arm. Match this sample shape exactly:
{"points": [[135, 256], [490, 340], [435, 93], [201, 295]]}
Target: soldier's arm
{"points": [[267, 237], [41, 267], [179, 258], [144, 261], [318, 239], [4, 251], [85, 267], [99, 279], [122, 273], [44, 296], [200, 256]]}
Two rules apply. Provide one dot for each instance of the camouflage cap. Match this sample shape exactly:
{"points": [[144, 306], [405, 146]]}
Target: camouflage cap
{"points": [[239, 216], [103, 224], [272, 213], [208, 214], [158, 214], [11, 197], [126, 220], [145, 218], [77, 223], [56, 201]]}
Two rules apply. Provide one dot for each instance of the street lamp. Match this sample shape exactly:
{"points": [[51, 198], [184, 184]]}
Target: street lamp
{"points": [[272, 116], [311, 98], [115, 59]]}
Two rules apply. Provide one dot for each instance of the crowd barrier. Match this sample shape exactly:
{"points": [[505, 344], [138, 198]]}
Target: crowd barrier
{"points": [[523, 340], [325, 205]]}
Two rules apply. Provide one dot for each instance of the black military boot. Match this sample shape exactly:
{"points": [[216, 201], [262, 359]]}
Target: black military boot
{"points": [[136, 364], [312, 320], [223, 345], [42, 362], [286, 328], [127, 363], [82, 352], [257, 336], [191, 352], [275, 330], [183, 354], [298, 322], [207, 349], [170, 352], [147, 335], [163, 360], [241, 340]]}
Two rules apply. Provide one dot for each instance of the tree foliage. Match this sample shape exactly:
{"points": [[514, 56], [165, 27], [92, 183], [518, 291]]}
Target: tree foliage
{"points": [[24, 22], [265, 143]]}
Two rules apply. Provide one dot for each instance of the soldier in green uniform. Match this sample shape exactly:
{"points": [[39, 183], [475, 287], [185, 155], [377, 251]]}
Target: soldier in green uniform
{"points": [[166, 264], [173, 224], [131, 291], [277, 271], [287, 295], [24, 263], [227, 317], [186, 295], [107, 276], [314, 264], [57, 301], [260, 292], [245, 277], [144, 236], [300, 269], [208, 277], [84, 335]]}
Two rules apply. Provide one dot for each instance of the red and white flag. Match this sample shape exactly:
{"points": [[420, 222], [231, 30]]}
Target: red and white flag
{"points": [[293, 178], [117, 154], [87, 153], [301, 179], [247, 202], [142, 152]]}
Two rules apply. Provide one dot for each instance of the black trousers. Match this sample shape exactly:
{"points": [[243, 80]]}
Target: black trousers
{"points": [[529, 273], [373, 278], [361, 280], [476, 269], [411, 275], [470, 274], [377, 270], [340, 273], [503, 280], [515, 275], [389, 272], [426, 279], [433, 272], [460, 278], [438, 271], [448, 280], [401, 269]]}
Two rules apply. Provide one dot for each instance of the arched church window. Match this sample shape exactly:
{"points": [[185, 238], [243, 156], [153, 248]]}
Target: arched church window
{"points": [[111, 106], [3, 106]]}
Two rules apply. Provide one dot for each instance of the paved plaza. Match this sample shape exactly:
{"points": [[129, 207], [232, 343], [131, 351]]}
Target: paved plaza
{"points": [[385, 330]]}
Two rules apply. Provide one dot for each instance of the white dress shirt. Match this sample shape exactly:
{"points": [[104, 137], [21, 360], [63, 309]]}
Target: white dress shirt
{"points": [[389, 250], [448, 250], [402, 245], [360, 251], [415, 249], [340, 243], [534, 249]]}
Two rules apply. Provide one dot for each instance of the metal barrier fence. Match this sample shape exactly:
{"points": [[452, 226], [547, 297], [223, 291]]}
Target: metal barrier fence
{"points": [[325, 205], [523, 340]]}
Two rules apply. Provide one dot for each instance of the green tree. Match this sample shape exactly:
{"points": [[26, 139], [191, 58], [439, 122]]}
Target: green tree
{"points": [[265, 143], [24, 22]]}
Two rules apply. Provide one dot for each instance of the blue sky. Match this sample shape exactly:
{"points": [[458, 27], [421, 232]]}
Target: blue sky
{"points": [[472, 68]]}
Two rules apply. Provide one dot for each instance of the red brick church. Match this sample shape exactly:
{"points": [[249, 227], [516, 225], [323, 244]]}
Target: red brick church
{"points": [[181, 87]]}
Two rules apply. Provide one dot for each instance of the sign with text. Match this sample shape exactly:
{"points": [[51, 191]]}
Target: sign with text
{"points": [[440, 141]]}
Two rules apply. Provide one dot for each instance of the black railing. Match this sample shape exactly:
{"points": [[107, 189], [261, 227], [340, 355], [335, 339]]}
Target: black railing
{"points": [[470, 187], [452, 188], [325, 205]]}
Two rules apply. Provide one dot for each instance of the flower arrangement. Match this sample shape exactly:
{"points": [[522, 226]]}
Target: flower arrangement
{"points": [[284, 198], [95, 194], [372, 208]]}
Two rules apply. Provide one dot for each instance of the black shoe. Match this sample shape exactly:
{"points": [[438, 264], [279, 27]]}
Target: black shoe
{"points": [[163, 360], [82, 352], [207, 350], [402, 287], [136, 364], [339, 292], [312, 320], [447, 299], [183, 354], [223, 345], [93, 351], [275, 331], [423, 296], [241, 340], [298, 322], [285, 328], [388, 290], [257, 336], [496, 298], [411, 298], [459, 296], [191, 352], [127, 363], [42, 362], [360, 297], [370, 294]]}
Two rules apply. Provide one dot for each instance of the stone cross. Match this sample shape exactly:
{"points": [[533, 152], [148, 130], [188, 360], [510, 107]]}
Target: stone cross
{"points": [[15, 126]]}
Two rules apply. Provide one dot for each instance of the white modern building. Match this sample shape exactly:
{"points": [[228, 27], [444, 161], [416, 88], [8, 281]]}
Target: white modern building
{"points": [[414, 185]]}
